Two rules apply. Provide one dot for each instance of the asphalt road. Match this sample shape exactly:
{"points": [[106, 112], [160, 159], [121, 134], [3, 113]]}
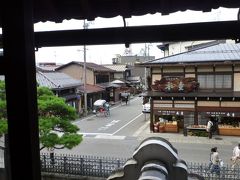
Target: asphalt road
{"points": [[115, 136], [124, 120], [124, 148]]}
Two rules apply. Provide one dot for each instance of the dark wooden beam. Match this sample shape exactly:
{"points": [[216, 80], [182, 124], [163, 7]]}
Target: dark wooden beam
{"points": [[151, 116], [20, 79], [140, 34], [2, 66], [220, 109]]}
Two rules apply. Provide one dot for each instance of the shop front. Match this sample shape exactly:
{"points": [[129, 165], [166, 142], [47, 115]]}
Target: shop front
{"points": [[177, 116], [171, 120], [226, 119]]}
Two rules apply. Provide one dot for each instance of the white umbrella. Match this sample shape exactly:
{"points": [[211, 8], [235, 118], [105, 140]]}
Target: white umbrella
{"points": [[99, 102], [118, 82]]}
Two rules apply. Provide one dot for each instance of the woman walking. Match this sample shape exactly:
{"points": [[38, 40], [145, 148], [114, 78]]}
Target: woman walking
{"points": [[215, 160]]}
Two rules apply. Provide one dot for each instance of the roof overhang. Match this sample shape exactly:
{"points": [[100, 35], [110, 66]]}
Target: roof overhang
{"points": [[213, 63], [232, 96], [51, 10]]}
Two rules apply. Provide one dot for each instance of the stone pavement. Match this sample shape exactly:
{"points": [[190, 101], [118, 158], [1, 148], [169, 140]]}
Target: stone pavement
{"points": [[144, 132]]}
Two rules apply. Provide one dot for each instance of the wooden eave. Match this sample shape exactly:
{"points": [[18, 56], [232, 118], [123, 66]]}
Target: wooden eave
{"points": [[229, 96], [233, 63]]}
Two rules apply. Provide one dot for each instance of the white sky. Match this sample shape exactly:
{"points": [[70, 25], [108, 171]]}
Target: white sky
{"points": [[103, 54]]}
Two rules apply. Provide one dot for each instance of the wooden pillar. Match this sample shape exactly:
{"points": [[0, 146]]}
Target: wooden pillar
{"points": [[196, 99], [195, 114], [20, 79], [151, 115]]}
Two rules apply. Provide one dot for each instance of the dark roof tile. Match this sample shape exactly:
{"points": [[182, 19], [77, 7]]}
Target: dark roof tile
{"points": [[89, 65], [216, 53], [91, 89], [56, 80]]}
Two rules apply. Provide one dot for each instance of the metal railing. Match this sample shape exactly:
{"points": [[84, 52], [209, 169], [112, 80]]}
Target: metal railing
{"points": [[80, 165], [226, 173], [103, 166], [1, 157]]}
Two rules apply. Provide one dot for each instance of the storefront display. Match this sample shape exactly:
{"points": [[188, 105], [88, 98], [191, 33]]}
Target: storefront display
{"points": [[166, 127], [229, 130], [171, 127], [227, 125], [196, 130]]}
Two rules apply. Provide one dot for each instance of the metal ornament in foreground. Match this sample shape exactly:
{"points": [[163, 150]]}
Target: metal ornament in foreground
{"points": [[154, 159]]}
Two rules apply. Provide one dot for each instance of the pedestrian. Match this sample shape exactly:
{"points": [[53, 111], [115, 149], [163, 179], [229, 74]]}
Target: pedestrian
{"points": [[209, 128], [51, 153], [210, 158], [236, 156], [126, 98], [215, 160]]}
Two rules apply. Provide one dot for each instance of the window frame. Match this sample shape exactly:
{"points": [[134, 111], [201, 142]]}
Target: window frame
{"points": [[220, 89]]}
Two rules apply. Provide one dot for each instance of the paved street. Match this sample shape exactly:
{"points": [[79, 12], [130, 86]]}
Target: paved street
{"points": [[123, 121], [119, 135]]}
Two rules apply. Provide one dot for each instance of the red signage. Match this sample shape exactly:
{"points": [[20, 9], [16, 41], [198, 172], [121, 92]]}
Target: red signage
{"points": [[175, 85]]}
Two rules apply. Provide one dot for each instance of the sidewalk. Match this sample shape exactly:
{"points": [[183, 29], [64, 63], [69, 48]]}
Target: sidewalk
{"points": [[144, 132]]}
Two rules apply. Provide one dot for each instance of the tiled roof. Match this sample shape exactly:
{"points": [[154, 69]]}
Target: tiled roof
{"points": [[91, 89], [116, 67], [108, 84], [89, 65], [47, 68], [216, 53], [56, 80], [134, 78]]}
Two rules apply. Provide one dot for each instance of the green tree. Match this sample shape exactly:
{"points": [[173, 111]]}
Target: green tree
{"points": [[55, 116], [55, 128], [3, 109]]}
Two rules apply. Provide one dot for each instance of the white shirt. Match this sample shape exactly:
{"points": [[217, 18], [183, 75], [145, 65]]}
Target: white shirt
{"points": [[236, 152], [209, 125], [215, 158]]}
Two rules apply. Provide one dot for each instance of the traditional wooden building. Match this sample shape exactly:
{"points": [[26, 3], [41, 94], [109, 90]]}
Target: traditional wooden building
{"points": [[62, 85], [191, 87], [95, 76]]}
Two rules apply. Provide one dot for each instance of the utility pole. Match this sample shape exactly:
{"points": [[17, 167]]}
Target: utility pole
{"points": [[85, 26], [145, 69], [146, 58]]}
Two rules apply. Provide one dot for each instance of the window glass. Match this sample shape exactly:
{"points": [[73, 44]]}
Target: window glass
{"points": [[209, 81], [201, 80], [227, 81], [206, 81], [223, 81], [219, 81], [102, 78]]}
